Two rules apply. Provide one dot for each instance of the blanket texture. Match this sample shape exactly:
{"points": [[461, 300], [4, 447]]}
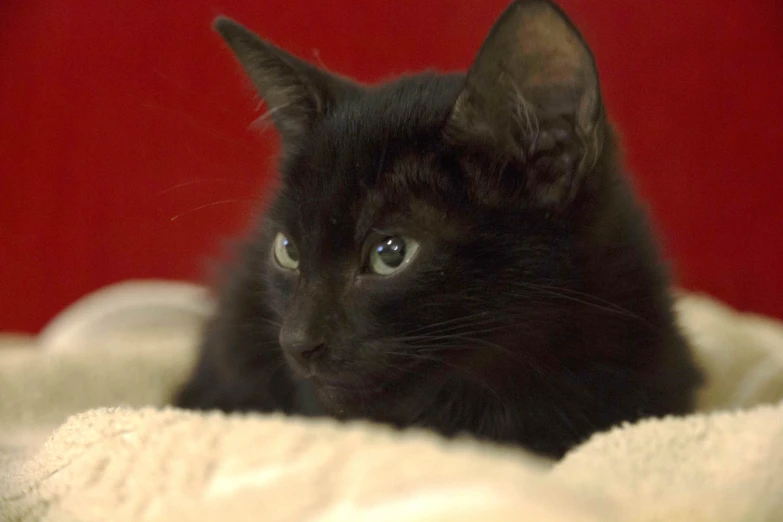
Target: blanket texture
{"points": [[117, 355]]}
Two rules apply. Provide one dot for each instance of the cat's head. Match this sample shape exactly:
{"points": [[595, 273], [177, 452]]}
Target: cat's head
{"points": [[429, 230]]}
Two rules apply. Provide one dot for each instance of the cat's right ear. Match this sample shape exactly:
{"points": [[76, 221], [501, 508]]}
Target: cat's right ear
{"points": [[296, 93]]}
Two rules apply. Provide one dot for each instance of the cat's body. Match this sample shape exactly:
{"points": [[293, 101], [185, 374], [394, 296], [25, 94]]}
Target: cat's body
{"points": [[533, 308]]}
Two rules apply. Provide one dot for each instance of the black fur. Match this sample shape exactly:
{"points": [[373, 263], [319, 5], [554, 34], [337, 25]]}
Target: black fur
{"points": [[536, 311]]}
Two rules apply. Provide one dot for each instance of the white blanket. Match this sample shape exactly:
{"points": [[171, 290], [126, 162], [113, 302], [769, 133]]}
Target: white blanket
{"points": [[131, 345]]}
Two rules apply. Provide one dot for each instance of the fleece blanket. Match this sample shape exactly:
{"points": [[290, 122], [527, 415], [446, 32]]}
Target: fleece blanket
{"points": [[85, 435]]}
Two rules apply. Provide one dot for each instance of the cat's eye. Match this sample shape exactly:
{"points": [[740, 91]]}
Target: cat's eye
{"points": [[286, 254], [391, 254]]}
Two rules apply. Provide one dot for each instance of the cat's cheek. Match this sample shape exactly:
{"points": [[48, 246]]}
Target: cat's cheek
{"points": [[281, 285]]}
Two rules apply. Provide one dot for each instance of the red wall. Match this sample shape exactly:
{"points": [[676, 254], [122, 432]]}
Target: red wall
{"points": [[115, 119]]}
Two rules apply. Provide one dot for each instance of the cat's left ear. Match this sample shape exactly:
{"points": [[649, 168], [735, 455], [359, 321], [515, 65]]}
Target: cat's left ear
{"points": [[297, 94], [533, 90]]}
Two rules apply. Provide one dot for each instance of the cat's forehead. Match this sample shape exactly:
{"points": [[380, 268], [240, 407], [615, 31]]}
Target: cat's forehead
{"points": [[338, 206], [357, 166], [383, 122]]}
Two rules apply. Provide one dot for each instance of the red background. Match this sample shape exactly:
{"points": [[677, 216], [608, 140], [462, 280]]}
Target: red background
{"points": [[118, 117]]}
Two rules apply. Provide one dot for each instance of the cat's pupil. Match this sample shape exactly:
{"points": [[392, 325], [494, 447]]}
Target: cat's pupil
{"points": [[291, 250], [391, 251]]}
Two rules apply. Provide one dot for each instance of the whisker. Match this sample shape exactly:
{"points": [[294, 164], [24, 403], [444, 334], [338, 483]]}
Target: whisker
{"points": [[606, 306], [572, 291], [447, 321], [463, 346], [262, 122], [271, 322], [474, 375], [469, 324], [201, 207], [194, 182]]}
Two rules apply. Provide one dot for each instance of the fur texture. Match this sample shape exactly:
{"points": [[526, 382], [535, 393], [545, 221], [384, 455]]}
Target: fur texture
{"points": [[536, 310]]}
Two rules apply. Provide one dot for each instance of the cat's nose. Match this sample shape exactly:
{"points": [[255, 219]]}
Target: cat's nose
{"points": [[305, 353], [302, 349]]}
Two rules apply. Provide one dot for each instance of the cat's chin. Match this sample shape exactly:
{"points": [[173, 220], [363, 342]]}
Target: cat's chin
{"points": [[350, 397], [339, 399], [349, 387]]}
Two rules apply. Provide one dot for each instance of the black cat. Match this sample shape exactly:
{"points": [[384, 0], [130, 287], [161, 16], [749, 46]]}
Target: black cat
{"points": [[456, 252]]}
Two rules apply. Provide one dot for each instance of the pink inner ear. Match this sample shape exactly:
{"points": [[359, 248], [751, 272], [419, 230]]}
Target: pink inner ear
{"points": [[546, 41]]}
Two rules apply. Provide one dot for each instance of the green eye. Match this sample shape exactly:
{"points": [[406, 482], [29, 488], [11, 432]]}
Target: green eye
{"points": [[286, 254], [391, 254]]}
